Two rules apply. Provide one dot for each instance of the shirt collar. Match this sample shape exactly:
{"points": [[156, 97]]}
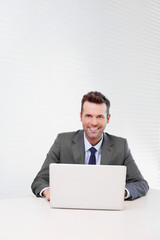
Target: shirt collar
{"points": [[88, 145]]}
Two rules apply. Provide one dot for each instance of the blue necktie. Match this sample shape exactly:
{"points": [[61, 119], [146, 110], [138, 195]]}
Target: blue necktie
{"points": [[92, 159]]}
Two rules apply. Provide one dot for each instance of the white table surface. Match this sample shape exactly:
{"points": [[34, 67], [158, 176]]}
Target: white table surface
{"points": [[32, 218]]}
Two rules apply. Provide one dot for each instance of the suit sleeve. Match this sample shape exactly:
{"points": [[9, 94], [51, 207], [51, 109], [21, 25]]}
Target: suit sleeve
{"points": [[42, 179], [135, 182]]}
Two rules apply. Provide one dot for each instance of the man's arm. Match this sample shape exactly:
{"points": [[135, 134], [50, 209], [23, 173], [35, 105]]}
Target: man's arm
{"points": [[41, 181], [135, 183]]}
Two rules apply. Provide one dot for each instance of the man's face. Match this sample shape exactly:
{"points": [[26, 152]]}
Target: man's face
{"points": [[94, 120]]}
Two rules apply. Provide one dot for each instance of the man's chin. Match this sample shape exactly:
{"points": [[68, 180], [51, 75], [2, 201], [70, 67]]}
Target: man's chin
{"points": [[94, 136]]}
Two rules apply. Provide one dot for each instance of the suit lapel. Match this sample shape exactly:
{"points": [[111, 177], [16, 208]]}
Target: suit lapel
{"points": [[79, 153], [107, 150], [78, 148]]}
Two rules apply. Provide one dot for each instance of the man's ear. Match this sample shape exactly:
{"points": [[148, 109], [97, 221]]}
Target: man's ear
{"points": [[108, 118], [80, 116]]}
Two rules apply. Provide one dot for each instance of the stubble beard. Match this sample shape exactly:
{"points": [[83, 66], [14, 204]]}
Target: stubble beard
{"points": [[94, 136]]}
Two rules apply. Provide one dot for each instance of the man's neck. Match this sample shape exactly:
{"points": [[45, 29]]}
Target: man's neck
{"points": [[95, 141]]}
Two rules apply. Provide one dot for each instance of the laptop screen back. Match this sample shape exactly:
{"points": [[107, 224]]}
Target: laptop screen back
{"points": [[87, 186]]}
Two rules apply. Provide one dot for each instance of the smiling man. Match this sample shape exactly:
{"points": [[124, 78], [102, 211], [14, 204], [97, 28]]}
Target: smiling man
{"points": [[92, 146], [94, 119]]}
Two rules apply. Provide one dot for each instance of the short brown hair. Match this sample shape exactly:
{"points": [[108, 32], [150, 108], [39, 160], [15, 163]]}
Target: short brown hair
{"points": [[95, 97]]}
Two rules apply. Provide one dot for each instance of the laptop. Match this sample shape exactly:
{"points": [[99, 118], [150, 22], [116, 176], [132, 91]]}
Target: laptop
{"points": [[87, 186]]}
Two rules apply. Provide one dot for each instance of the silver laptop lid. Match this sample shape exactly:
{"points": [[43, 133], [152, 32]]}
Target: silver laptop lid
{"points": [[87, 186]]}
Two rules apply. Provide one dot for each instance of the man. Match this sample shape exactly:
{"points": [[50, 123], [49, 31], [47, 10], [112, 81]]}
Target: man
{"points": [[76, 147]]}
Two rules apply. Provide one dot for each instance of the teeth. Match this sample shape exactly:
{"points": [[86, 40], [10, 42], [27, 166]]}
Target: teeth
{"points": [[93, 129]]}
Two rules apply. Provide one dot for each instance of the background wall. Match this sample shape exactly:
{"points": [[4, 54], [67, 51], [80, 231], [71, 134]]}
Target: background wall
{"points": [[51, 54]]}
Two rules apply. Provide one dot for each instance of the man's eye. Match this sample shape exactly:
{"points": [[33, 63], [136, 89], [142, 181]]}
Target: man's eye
{"points": [[88, 116], [100, 116]]}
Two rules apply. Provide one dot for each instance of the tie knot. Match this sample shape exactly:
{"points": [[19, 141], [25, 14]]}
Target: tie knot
{"points": [[93, 150]]}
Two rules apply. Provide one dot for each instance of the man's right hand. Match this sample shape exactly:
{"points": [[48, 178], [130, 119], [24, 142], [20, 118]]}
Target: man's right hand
{"points": [[46, 194]]}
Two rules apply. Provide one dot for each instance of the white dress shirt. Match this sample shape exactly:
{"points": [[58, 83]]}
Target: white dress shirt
{"points": [[87, 146]]}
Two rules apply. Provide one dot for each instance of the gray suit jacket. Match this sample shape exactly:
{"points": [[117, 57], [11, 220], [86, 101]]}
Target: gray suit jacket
{"points": [[69, 148]]}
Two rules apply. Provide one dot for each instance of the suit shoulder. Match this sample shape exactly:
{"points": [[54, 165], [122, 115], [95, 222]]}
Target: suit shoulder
{"points": [[115, 138], [70, 135]]}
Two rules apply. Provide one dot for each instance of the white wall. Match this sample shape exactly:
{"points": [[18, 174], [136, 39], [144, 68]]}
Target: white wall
{"points": [[53, 52]]}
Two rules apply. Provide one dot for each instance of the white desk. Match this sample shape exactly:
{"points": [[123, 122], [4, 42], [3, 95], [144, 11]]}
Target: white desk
{"points": [[32, 219]]}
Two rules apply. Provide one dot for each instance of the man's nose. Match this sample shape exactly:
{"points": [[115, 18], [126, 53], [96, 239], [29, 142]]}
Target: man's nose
{"points": [[94, 121]]}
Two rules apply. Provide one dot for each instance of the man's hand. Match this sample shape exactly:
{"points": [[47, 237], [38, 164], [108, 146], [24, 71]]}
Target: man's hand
{"points": [[125, 193], [46, 193]]}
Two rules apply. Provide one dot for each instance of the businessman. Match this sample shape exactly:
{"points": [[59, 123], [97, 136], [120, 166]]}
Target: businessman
{"points": [[92, 146]]}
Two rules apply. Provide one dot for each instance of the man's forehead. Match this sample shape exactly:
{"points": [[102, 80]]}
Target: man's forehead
{"points": [[99, 108]]}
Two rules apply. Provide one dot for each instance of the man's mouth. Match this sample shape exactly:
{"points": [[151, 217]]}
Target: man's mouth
{"points": [[93, 129]]}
